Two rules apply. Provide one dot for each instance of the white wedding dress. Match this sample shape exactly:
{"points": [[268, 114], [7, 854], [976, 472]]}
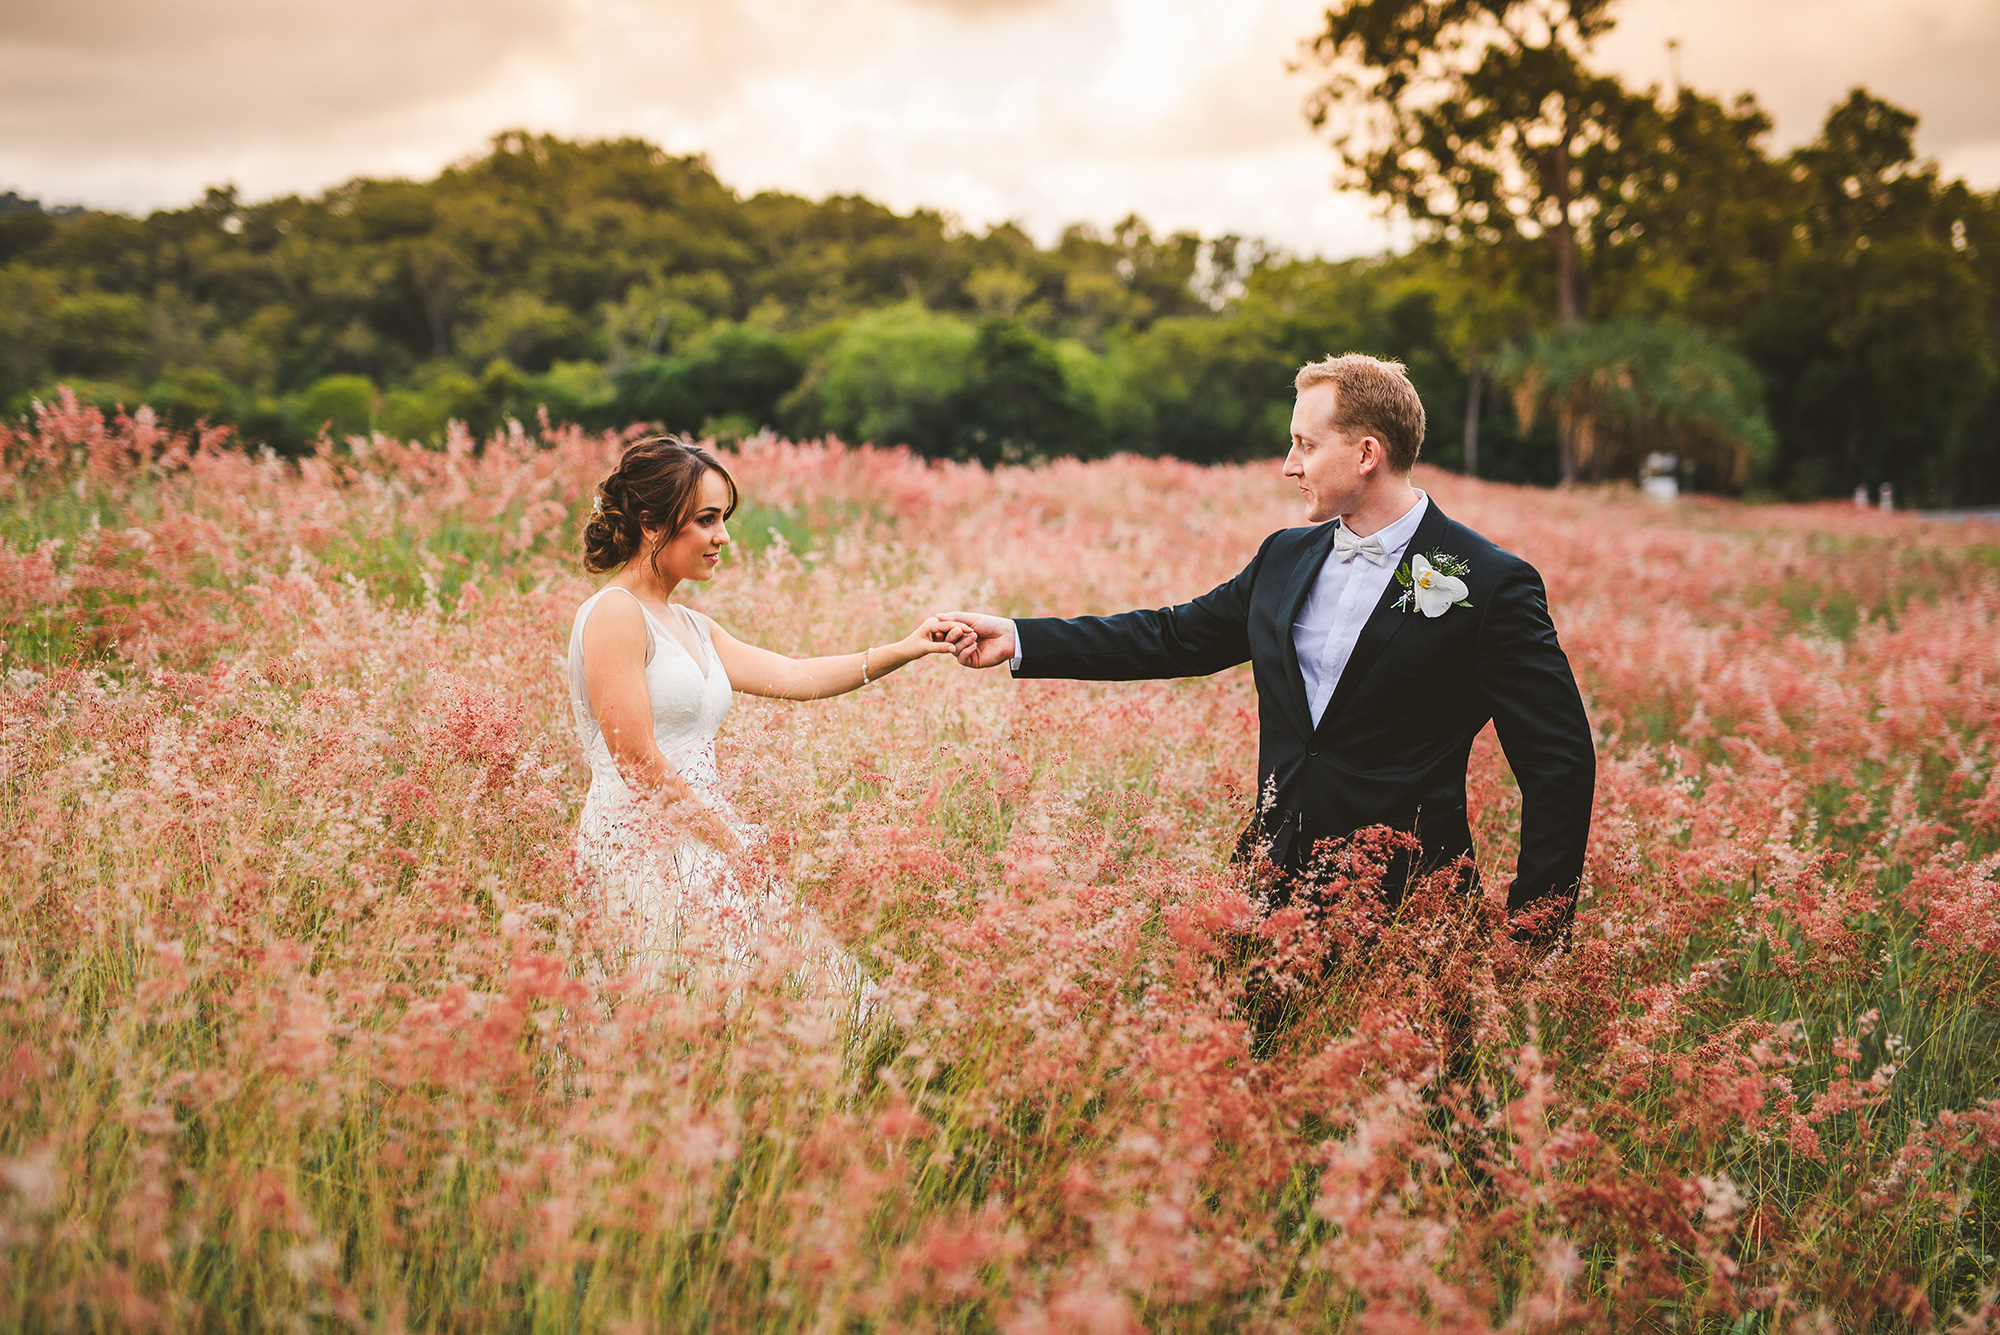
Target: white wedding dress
{"points": [[685, 912]]}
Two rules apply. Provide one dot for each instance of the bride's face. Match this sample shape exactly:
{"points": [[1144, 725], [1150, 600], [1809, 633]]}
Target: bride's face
{"points": [[695, 551]]}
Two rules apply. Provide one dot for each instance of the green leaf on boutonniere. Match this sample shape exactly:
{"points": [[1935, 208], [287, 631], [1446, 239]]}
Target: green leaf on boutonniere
{"points": [[1445, 563]]}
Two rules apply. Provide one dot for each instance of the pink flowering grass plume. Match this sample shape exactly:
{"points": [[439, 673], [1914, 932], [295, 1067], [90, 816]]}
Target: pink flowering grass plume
{"points": [[310, 1017]]}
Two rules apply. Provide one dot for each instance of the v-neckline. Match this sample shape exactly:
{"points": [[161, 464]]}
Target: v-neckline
{"points": [[694, 655]]}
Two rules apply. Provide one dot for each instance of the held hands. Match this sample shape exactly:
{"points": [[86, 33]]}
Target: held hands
{"points": [[937, 635], [979, 640], [975, 639]]}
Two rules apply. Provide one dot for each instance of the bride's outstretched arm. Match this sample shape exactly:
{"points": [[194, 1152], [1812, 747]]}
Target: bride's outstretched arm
{"points": [[756, 671], [614, 678]]}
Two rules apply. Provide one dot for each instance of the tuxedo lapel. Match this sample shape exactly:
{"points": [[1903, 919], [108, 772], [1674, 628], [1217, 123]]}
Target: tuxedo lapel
{"points": [[1300, 583], [1385, 621]]}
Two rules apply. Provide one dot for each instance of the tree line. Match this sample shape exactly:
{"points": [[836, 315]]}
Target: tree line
{"points": [[1603, 273]]}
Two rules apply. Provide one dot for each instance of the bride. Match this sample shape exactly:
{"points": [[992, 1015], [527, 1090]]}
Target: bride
{"points": [[650, 684]]}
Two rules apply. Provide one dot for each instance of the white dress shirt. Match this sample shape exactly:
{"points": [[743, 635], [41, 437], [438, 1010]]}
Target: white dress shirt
{"points": [[1339, 605], [1334, 612]]}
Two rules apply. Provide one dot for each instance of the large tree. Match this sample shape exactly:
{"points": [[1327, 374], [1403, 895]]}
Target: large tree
{"points": [[1481, 121]]}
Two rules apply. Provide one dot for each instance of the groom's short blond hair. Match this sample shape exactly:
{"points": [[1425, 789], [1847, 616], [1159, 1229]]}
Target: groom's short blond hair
{"points": [[1371, 397]]}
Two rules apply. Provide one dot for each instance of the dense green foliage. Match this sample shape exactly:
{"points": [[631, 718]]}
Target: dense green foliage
{"points": [[1620, 391], [1837, 308]]}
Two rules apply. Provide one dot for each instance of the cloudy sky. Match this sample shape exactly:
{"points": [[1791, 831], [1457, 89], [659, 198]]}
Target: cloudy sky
{"points": [[1043, 111]]}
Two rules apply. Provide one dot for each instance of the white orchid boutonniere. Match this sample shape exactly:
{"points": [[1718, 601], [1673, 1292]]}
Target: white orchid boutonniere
{"points": [[1433, 583]]}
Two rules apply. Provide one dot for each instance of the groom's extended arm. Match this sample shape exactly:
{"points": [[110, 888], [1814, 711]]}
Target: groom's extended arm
{"points": [[1538, 714], [1190, 639]]}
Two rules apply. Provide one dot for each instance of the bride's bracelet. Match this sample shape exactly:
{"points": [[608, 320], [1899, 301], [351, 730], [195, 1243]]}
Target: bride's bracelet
{"points": [[864, 664]]}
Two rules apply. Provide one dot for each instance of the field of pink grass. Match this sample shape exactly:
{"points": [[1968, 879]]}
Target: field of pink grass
{"points": [[307, 1022]]}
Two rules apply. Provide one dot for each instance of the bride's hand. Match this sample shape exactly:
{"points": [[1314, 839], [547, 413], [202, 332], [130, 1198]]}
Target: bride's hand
{"points": [[727, 838], [936, 636], [722, 836], [701, 820]]}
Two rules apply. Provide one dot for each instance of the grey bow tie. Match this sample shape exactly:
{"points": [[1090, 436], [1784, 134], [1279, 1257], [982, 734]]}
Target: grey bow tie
{"points": [[1346, 546]]}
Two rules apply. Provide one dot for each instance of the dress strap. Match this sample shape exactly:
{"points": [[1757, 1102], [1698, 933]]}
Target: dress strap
{"points": [[699, 628], [644, 616]]}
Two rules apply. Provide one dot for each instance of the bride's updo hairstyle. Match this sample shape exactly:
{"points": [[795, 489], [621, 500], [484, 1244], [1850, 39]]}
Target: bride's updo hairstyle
{"points": [[656, 485]]}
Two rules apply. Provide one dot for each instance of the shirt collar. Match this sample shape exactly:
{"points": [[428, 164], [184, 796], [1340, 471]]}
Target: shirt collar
{"points": [[1395, 537]]}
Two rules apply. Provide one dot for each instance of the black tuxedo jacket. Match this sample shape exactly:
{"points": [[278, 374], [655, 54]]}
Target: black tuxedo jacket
{"points": [[1391, 747]]}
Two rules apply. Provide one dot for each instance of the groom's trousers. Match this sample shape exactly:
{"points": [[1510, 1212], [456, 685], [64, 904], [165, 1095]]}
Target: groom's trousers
{"points": [[1443, 846], [1443, 837]]}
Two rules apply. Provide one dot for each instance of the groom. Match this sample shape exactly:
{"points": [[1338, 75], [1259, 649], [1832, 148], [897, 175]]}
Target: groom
{"points": [[1382, 642]]}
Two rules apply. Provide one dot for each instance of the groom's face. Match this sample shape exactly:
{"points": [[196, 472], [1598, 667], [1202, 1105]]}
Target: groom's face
{"points": [[1328, 464]]}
